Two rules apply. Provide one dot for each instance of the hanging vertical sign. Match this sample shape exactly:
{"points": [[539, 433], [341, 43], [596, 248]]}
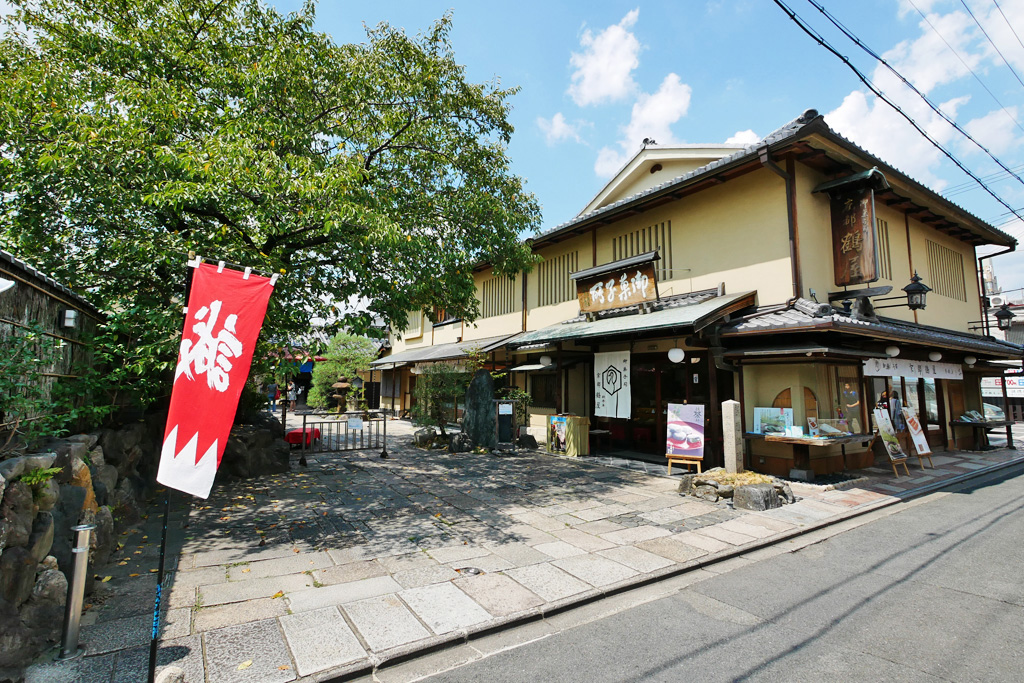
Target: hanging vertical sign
{"points": [[612, 397], [854, 251], [225, 313]]}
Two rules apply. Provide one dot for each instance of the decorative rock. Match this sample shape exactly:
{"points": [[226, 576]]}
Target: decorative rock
{"points": [[49, 562], [46, 494], [89, 440], [96, 457], [17, 509], [423, 437], [708, 493], [41, 540], [252, 451], [478, 422], [101, 542], [15, 640], [726, 490], [460, 443], [51, 586], [701, 480], [17, 575], [171, 674], [756, 497], [527, 441], [13, 468], [686, 484], [104, 481], [82, 478], [122, 447], [785, 492]]}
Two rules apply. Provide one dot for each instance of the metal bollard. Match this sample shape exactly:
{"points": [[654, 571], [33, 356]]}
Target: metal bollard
{"points": [[76, 591]]}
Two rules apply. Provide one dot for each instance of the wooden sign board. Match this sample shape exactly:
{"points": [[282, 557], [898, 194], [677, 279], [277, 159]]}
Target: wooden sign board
{"points": [[854, 251], [616, 289]]}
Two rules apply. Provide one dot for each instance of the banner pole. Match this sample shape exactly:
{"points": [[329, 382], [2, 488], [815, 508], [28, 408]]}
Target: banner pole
{"points": [[154, 640]]}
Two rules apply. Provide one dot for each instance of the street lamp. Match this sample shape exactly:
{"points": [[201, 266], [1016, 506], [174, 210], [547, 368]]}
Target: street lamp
{"points": [[917, 292], [1004, 317]]}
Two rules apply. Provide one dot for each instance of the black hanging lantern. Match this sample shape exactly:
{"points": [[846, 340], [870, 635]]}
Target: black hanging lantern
{"points": [[917, 293], [1004, 317]]}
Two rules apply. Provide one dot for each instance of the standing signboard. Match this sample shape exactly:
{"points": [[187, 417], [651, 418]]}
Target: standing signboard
{"points": [[889, 439], [503, 424], [854, 251], [684, 434], [917, 435], [557, 433], [612, 397]]}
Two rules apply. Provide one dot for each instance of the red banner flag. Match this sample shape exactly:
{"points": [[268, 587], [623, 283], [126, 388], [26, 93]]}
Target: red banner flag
{"points": [[225, 313]]}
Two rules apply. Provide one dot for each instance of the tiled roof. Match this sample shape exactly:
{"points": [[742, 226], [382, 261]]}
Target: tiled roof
{"points": [[42, 277], [791, 318]]}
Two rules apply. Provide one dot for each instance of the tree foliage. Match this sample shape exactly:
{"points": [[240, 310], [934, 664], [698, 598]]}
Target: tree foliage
{"points": [[439, 386], [347, 354], [134, 131]]}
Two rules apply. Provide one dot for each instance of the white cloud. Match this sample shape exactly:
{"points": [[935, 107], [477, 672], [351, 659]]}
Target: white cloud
{"points": [[743, 137], [652, 117], [604, 70], [995, 130], [557, 129]]}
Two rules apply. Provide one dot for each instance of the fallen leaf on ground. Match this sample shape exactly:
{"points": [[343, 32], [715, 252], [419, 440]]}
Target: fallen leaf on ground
{"points": [[106, 578], [245, 665], [278, 594], [283, 667], [246, 571], [133, 575]]}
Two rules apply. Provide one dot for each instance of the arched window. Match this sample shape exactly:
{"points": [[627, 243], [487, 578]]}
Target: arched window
{"points": [[785, 400]]}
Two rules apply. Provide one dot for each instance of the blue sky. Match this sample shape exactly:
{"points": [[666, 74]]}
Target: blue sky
{"points": [[598, 77]]}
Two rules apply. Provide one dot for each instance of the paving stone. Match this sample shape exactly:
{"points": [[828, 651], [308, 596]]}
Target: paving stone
{"points": [[293, 564], [637, 558], [320, 640], [672, 549], [498, 594], [423, 576], [741, 527], [600, 527], [663, 516], [80, 670], [185, 653], [528, 534], [118, 634], [261, 642], [236, 591], [346, 573], [198, 577], [719, 534], [547, 581], [385, 622], [635, 534], [539, 521], [583, 540], [595, 570], [457, 553], [339, 594], [488, 563], [444, 608], [559, 549], [519, 554], [397, 563], [219, 616], [232, 555], [767, 522]]}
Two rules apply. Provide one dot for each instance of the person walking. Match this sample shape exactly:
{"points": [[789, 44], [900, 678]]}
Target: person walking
{"points": [[272, 394], [293, 395]]}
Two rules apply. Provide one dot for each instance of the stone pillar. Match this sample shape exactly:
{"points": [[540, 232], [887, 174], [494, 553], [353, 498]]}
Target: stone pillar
{"points": [[732, 436]]}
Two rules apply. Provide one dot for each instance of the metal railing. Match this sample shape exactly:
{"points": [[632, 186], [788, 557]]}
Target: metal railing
{"points": [[348, 433]]}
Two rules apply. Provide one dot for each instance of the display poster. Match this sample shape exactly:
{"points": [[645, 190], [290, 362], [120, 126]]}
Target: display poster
{"points": [[812, 426], [504, 408], [993, 386], [612, 396], [355, 423], [888, 434], [773, 420], [685, 430], [557, 428], [916, 431]]}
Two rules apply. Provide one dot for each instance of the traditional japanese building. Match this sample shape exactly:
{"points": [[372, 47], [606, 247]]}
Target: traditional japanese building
{"points": [[779, 274]]}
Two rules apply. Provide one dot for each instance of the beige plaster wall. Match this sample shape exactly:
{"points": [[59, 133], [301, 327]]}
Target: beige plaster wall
{"points": [[537, 316]]}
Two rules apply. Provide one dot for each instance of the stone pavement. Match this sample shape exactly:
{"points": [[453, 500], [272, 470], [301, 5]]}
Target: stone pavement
{"points": [[355, 562]]}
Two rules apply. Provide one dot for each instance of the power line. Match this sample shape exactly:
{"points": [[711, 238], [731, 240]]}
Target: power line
{"points": [[849, 34], [1005, 61], [1008, 24], [954, 190], [967, 66], [864, 79]]}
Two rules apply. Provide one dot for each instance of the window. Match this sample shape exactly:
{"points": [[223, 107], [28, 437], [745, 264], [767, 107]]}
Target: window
{"points": [[884, 255], [415, 327], [785, 400], [499, 296], [542, 389], [946, 270], [653, 237], [553, 278]]}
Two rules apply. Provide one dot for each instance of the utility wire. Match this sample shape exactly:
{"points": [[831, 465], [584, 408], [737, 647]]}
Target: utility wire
{"points": [[964, 187], [1005, 61], [864, 79], [1008, 24], [967, 66], [849, 34]]}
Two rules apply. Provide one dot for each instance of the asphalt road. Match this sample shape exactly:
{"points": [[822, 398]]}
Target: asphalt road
{"points": [[933, 592]]}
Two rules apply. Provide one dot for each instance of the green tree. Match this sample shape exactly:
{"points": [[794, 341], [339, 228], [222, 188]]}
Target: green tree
{"points": [[346, 354], [134, 131], [438, 388]]}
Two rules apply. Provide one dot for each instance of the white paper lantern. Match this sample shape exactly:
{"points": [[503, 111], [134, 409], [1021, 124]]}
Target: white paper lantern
{"points": [[934, 356], [892, 351], [545, 360], [676, 355], [970, 360]]}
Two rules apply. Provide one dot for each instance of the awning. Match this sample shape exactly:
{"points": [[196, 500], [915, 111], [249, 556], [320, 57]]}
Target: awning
{"points": [[696, 316], [533, 366], [422, 354], [806, 350]]}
